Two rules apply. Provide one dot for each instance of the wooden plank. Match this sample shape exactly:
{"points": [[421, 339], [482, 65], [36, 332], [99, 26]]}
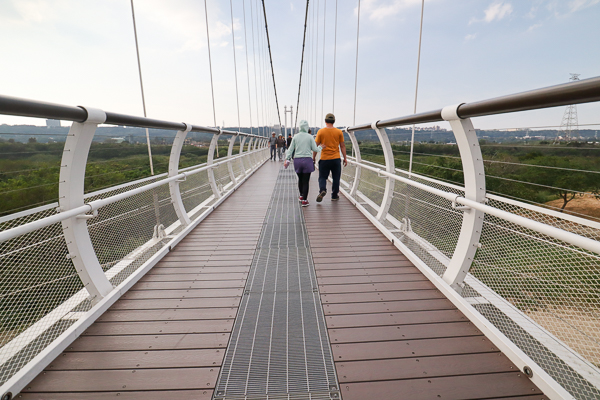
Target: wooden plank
{"points": [[403, 332], [181, 294], [377, 287], [387, 306], [195, 303], [430, 367], [400, 318], [324, 273], [359, 264], [237, 283], [412, 348], [167, 314], [157, 327], [381, 296], [194, 277], [168, 270], [131, 395], [150, 342], [482, 386], [125, 380], [137, 359], [339, 280]]}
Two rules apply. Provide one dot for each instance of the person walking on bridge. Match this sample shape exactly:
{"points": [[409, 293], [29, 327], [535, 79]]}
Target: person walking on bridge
{"points": [[302, 147], [273, 144], [330, 162], [280, 147]]}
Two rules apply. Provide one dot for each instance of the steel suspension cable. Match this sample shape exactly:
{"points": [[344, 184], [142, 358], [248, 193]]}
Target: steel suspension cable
{"points": [[301, 65], [323, 59], [412, 139], [316, 64], [210, 66], [237, 98], [137, 50], [356, 63], [247, 68], [334, 57], [261, 73], [254, 68], [271, 61]]}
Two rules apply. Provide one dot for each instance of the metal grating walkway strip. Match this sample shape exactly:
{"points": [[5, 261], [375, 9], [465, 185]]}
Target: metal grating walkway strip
{"points": [[279, 348]]}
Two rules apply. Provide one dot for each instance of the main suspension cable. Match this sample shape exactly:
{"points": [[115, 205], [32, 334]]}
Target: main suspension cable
{"points": [[271, 61], [301, 65], [254, 69], [412, 139]]}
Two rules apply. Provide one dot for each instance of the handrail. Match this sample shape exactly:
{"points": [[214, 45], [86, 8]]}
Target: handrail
{"points": [[39, 109], [556, 233], [583, 91], [97, 204]]}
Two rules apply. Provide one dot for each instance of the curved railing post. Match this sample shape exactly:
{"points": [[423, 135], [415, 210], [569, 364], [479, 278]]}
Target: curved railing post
{"points": [[242, 166], [70, 195], [174, 170], [390, 167], [229, 154], [356, 149], [474, 178], [209, 162]]}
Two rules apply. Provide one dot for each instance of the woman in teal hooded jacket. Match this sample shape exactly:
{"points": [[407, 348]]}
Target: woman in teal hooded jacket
{"points": [[302, 147]]}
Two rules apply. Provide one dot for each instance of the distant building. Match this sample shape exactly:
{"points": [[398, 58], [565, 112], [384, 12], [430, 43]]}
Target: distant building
{"points": [[52, 123]]}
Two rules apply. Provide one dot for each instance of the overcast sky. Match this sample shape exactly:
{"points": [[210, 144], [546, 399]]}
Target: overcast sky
{"points": [[82, 52]]}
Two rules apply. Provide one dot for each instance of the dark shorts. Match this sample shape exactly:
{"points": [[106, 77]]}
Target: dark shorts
{"points": [[304, 165]]}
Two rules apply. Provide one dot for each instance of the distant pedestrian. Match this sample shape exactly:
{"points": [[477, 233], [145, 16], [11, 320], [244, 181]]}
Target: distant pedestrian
{"points": [[280, 147], [289, 142], [330, 162], [302, 147], [273, 144]]}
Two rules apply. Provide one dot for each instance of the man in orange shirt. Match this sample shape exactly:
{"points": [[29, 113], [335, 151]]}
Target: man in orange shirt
{"points": [[330, 162]]}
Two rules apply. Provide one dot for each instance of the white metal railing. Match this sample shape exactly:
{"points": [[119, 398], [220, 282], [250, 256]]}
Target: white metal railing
{"points": [[528, 277], [63, 265]]}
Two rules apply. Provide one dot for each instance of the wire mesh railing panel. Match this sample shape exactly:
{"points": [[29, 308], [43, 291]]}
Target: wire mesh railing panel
{"points": [[554, 284], [348, 175], [195, 190], [39, 287], [428, 222], [372, 187], [125, 229], [222, 176]]}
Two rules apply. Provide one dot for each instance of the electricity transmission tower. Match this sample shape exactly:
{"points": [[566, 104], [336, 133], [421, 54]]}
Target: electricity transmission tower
{"points": [[569, 127]]}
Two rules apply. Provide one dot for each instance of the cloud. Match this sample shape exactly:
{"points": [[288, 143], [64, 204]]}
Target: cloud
{"points": [[471, 36], [533, 27], [292, 6], [378, 10], [576, 5], [495, 12]]}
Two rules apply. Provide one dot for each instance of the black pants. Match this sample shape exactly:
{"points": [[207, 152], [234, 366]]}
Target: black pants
{"points": [[335, 167], [303, 184]]}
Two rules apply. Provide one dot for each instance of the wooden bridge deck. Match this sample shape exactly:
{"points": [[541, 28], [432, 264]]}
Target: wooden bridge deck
{"points": [[393, 335]]}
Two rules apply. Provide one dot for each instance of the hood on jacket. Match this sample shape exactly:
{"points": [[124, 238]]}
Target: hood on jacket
{"points": [[303, 126]]}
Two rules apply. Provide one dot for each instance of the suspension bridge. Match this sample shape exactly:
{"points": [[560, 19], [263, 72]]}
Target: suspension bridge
{"points": [[211, 282]]}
